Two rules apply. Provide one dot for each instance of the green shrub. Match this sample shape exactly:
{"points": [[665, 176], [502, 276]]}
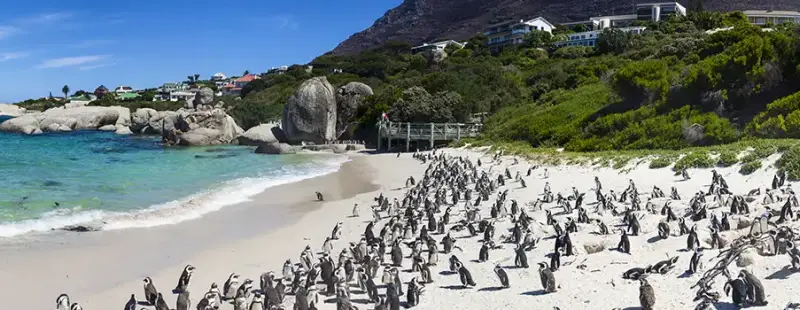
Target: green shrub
{"points": [[662, 162], [790, 163], [750, 167], [696, 159], [727, 159]]}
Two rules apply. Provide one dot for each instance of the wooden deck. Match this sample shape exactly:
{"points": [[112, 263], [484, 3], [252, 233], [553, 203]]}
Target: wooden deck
{"points": [[429, 132]]}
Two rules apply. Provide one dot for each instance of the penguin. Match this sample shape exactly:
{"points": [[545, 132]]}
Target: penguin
{"points": [[215, 291], [624, 245], [76, 306], [755, 290], [230, 286], [425, 273], [150, 292], [208, 302], [521, 258], [663, 230], [392, 299], [465, 276], [337, 231], [636, 273], [682, 228], [483, 254], [183, 302], [301, 299], [547, 278], [355, 210], [131, 305], [692, 241], [737, 289], [183, 281], [258, 302], [371, 289], [244, 289], [665, 266], [62, 302], [647, 296], [160, 303], [413, 292], [502, 276], [320, 197], [695, 263]]}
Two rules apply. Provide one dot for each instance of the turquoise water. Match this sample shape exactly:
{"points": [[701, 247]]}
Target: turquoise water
{"points": [[52, 180]]}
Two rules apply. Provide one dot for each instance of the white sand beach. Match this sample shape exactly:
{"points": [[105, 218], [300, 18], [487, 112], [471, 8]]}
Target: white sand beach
{"points": [[101, 270]]}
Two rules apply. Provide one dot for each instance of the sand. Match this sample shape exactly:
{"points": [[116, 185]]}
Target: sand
{"points": [[100, 270]]}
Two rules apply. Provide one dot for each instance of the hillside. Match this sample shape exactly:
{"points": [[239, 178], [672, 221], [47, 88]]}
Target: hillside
{"points": [[418, 21]]}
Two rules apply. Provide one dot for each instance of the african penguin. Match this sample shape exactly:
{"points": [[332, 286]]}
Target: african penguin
{"points": [[502, 276], [150, 292], [183, 302], [647, 296], [183, 281], [161, 304], [547, 278], [62, 302], [230, 286], [131, 305]]}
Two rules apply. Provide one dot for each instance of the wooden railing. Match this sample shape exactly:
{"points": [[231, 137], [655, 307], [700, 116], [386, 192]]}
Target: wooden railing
{"points": [[430, 132]]}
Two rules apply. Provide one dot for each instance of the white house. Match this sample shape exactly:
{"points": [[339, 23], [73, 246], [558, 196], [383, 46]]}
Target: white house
{"points": [[219, 76], [589, 38], [181, 95], [513, 32], [762, 18], [658, 11], [441, 45], [123, 89]]}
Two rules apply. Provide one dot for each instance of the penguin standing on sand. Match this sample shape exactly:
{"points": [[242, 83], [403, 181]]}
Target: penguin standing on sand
{"points": [[183, 302], [682, 228], [694, 263], [392, 298], [465, 276], [755, 290], [692, 241], [483, 254], [150, 292], [737, 289], [319, 197], [663, 229], [355, 210], [413, 292], [229, 288], [624, 245], [547, 278], [555, 260], [521, 258], [502, 276], [183, 281], [337, 231], [647, 296], [258, 302]]}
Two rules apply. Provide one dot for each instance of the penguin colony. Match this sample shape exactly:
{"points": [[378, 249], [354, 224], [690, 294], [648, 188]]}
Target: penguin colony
{"points": [[443, 209]]}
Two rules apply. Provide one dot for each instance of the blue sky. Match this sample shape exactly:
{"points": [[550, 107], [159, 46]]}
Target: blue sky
{"points": [[46, 44]]}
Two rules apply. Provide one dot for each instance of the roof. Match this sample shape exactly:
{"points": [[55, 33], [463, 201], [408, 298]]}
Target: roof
{"points": [[659, 3], [445, 42], [128, 96], [219, 74], [228, 86], [247, 78], [124, 87], [615, 17], [101, 87], [539, 19], [771, 13]]}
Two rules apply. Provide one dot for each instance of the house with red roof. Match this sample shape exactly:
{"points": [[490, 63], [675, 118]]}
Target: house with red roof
{"points": [[234, 88]]}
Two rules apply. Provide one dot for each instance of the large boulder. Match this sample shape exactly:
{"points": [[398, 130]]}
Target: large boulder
{"points": [[310, 113], [140, 119], [194, 128], [205, 96], [259, 135], [275, 149], [11, 110], [349, 98], [161, 122], [26, 124]]}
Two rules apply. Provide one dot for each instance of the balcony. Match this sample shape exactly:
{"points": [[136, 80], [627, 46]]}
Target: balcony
{"points": [[520, 31]]}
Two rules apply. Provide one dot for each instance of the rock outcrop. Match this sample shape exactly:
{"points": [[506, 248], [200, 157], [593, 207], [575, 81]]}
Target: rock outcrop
{"points": [[11, 110], [203, 97], [349, 98], [198, 128], [61, 119], [275, 149], [261, 135], [310, 113]]}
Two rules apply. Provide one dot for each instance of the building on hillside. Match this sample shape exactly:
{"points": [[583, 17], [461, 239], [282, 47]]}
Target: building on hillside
{"points": [[123, 89], [129, 96], [82, 100], [219, 76], [763, 18], [184, 95], [589, 38], [612, 21], [235, 87], [100, 91], [656, 12], [171, 87], [278, 70], [513, 32], [441, 45]]}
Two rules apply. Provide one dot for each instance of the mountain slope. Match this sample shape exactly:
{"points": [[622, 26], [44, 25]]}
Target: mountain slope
{"points": [[419, 21]]}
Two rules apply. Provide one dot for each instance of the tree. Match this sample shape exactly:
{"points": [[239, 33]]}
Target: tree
{"points": [[196, 77], [246, 72], [65, 90], [699, 6], [538, 38], [190, 78], [80, 92], [613, 41], [580, 28], [256, 85], [50, 96]]}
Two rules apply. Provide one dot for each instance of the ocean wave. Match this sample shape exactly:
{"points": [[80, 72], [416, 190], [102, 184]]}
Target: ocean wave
{"points": [[192, 207]]}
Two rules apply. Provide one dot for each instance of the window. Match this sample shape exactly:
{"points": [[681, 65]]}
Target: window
{"points": [[583, 37]]}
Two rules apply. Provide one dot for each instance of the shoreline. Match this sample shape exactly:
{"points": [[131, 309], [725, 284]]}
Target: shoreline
{"points": [[92, 263]]}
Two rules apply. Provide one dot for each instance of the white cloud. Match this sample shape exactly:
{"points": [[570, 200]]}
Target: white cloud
{"points": [[92, 67], [7, 31], [12, 55], [71, 61]]}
